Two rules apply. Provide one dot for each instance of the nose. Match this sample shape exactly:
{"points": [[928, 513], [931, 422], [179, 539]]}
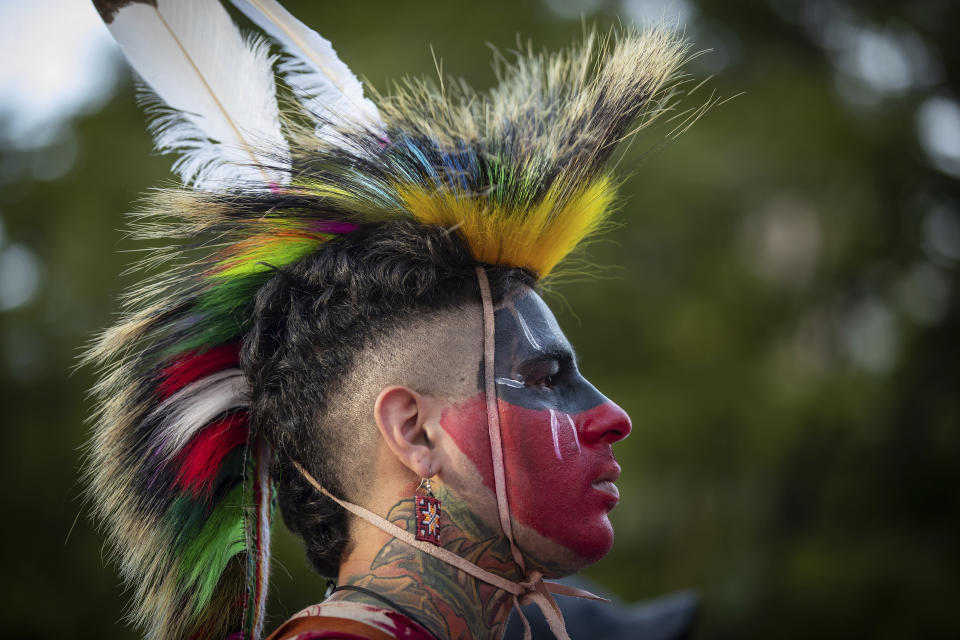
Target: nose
{"points": [[604, 423]]}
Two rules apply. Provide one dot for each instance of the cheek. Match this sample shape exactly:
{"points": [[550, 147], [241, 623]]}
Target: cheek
{"points": [[549, 472]]}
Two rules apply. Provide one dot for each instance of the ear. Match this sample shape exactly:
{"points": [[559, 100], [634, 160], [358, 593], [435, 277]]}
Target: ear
{"points": [[401, 415]]}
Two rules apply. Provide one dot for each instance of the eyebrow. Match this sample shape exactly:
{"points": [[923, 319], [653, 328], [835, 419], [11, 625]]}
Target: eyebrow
{"points": [[552, 352]]}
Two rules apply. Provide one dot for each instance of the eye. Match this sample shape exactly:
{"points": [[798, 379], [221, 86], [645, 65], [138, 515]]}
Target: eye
{"points": [[548, 377], [547, 382], [544, 374]]}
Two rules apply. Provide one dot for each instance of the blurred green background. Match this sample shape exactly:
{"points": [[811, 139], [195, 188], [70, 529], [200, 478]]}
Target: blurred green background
{"points": [[780, 318]]}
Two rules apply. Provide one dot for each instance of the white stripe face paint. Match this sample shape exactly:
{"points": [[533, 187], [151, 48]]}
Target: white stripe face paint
{"points": [[510, 382], [532, 339], [555, 431], [574, 432]]}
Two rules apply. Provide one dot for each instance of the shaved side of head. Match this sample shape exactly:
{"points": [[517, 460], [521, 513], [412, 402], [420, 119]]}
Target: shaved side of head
{"points": [[436, 354]]}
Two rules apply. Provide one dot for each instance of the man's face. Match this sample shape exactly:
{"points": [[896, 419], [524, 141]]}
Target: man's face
{"points": [[557, 431]]}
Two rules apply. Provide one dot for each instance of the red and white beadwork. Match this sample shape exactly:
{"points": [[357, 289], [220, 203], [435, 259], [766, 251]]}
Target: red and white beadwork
{"points": [[428, 518]]}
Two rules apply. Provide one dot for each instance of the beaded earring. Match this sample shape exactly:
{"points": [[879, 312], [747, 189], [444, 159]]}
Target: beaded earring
{"points": [[427, 513]]}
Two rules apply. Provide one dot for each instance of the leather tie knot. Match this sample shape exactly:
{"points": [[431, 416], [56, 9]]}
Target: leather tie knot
{"points": [[530, 584]]}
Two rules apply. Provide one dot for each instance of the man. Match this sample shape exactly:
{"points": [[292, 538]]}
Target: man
{"points": [[411, 405], [354, 330]]}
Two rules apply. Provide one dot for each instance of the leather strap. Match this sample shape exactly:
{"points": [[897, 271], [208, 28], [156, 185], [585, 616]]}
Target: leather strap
{"points": [[405, 536], [534, 588], [350, 628], [493, 418]]}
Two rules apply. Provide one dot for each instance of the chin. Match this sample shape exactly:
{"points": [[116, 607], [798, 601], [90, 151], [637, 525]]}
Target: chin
{"points": [[595, 542], [576, 548], [588, 533]]}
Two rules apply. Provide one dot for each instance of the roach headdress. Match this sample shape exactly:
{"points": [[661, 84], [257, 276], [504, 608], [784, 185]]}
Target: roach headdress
{"points": [[177, 475]]}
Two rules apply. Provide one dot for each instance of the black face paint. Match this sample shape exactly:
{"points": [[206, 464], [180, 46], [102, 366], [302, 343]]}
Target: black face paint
{"points": [[534, 365]]}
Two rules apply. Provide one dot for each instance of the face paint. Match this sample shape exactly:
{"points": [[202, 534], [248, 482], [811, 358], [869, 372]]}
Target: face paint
{"points": [[534, 365], [557, 431]]}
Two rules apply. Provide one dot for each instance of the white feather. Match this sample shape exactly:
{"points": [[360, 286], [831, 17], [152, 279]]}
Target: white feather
{"points": [[217, 100], [193, 407], [322, 82]]}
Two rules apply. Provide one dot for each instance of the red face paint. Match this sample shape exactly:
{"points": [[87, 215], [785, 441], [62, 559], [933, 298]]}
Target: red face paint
{"points": [[559, 467]]}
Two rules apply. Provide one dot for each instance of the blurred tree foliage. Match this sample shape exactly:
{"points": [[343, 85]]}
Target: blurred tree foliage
{"points": [[780, 321]]}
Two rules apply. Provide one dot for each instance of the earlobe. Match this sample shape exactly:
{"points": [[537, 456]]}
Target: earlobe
{"points": [[400, 414]]}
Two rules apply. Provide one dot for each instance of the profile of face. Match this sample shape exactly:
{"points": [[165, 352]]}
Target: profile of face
{"points": [[557, 432]]}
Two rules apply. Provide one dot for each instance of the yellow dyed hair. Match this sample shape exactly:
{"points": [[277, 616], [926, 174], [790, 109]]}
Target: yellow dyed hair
{"points": [[536, 239]]}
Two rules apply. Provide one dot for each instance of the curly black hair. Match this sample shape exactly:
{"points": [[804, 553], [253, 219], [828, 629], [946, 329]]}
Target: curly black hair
{"points": [[312, 322]]}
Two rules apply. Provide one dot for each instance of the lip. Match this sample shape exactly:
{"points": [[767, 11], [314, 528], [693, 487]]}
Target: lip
{"points": [[604, 483], [610, 473], [608, 488]]}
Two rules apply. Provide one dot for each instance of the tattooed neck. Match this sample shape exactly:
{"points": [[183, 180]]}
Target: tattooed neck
{"points": [[450, 603]]}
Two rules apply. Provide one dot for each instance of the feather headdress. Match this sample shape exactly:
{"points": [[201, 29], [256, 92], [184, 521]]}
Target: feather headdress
{"points": [[520, 171]]}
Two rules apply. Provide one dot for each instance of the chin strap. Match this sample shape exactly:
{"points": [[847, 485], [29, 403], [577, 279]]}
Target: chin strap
{"points": [[532, 589]]}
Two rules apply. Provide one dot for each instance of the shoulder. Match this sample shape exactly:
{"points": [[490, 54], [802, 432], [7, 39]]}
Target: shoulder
{"points": [[349, 621]]}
